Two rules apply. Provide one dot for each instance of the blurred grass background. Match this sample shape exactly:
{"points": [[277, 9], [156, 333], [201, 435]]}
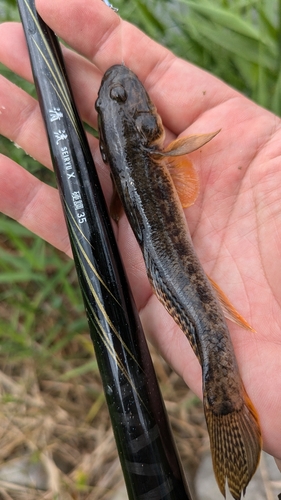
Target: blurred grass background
{"points": [[44, 344]]}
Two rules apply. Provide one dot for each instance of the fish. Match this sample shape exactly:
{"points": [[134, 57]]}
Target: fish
{"points": [[152, 184]]}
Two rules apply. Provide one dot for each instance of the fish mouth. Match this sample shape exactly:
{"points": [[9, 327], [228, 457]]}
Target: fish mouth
{"points": [[116, 77], [113, 86], [119, 71]]}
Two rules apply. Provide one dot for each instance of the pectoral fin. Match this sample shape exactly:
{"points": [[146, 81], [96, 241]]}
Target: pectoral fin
{"points": [[185, 179], [229, 310], [186, 145]]}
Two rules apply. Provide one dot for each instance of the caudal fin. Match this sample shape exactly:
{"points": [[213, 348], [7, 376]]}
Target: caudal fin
{"points": [[235, 440]]}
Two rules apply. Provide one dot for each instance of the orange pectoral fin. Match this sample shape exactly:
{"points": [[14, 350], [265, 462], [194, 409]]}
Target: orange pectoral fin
{"points": [[229, 310], [185, 179], [186, 145], [182, 170]]}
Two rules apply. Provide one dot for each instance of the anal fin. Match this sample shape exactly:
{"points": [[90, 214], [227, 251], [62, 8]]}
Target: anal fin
{"points": [[229, 310]]}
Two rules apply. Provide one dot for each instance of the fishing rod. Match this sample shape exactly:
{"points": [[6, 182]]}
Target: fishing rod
{"points": [[146, 448]]}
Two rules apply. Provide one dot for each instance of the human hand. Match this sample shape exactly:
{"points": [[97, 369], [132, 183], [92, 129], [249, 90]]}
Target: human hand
{"points": [[235, 223]]}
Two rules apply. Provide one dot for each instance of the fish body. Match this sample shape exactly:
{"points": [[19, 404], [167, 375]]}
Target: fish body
{"points": [[131, 137]]}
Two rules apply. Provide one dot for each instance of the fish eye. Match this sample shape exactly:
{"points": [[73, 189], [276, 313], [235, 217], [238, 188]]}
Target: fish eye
{"points": [[118, 93]]}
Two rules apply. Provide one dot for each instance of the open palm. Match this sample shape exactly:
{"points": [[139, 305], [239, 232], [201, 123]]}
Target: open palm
{"points": [[236, 221]]}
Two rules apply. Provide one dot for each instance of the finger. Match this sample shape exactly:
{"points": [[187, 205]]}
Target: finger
{"points": [[102, 34], [84, 76], [13, 49], [33, 204], [180, 91], [21, 121]]}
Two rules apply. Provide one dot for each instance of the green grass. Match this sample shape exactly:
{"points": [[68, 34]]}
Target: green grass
{"points": [[240, 42], [40, 302]]}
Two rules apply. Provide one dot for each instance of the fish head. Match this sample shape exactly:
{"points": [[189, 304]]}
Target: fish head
{"points": [[123, 102]]}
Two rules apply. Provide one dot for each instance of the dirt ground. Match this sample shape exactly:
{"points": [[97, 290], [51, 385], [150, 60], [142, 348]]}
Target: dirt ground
{"points": [[56, 440]]}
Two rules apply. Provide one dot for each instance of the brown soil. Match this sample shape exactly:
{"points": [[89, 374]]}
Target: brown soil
{"points": [[61, 433]]}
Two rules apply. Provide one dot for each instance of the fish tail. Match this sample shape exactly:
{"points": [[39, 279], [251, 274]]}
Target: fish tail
{"points": [[235, 440]]}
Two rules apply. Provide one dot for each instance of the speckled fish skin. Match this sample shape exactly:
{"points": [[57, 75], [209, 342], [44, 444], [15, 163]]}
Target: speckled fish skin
{"points": [[130, 133]]}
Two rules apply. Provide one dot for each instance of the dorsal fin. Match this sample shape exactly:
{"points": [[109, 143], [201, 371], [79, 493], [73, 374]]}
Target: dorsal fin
{"points": [[185, 179]]}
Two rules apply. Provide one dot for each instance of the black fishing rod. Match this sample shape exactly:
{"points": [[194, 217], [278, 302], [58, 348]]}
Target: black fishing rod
{"points": [[144, 441]]}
